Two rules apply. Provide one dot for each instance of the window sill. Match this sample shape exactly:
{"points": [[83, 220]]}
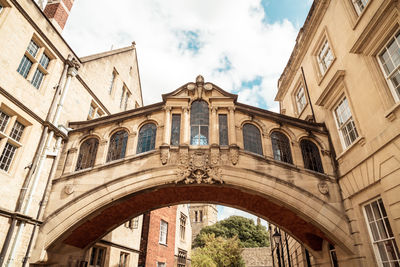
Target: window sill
{"points": [[390, 114], [163, 244], [360, 140]]}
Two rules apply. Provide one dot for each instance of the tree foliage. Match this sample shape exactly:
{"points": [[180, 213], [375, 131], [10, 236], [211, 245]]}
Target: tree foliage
{"points": [[218, 252], [249, 234]]}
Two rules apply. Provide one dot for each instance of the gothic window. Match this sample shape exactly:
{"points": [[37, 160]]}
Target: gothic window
{"points": [[281, 147], [175, 129], [87, 154], [147, 138], [117, 146], [252, 139], [223, 130], [199, 120], [311, 157]]}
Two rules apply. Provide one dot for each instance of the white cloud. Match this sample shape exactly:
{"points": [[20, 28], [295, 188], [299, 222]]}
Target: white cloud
{"points": [[232, 29]]}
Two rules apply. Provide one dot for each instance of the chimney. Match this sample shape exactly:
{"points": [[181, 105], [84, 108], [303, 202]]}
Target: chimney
{"points": [[58, 11]]}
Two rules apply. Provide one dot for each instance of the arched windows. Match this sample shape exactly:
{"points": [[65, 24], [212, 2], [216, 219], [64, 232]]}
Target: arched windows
{"points": [[281, 147], [311, 157], [87, 154], [117, 147], [199, 120], [147, 138], [252, 139]]}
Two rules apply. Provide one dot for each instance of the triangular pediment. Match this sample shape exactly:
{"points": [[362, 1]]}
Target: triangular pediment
{"points": [[199, 90]]}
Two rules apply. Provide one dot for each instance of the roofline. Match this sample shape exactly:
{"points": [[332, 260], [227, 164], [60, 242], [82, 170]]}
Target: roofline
{"points": [[107, 53], [316, 11]]}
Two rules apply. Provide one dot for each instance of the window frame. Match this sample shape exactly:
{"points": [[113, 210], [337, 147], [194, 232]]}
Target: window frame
{"points": [[182, 226], [296, 93], [341, 128], [110, 157], [92, 161], [96, 250], [163, 234], [125, 257], [259, 147], [287, 151], [152, 146], [37, 71], [321, 166], [373, 242], [194, 124], [323, 64], [357, 8], [387, 77], [223, 130], [175, 135]]}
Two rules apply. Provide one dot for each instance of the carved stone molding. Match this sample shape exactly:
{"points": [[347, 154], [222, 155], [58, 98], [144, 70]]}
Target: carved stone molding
{"points": [[323, 188], [197, 168], [164, 153], [234, 154]]}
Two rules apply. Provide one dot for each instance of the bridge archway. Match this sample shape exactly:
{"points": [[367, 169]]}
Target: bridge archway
{"points": [[84, 205]]}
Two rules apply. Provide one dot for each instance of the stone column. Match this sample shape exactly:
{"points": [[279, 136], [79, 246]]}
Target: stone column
{"points": [[167, 126], [130, 147], [232, 128], [186, 126], [101, 153], [214, 126]]}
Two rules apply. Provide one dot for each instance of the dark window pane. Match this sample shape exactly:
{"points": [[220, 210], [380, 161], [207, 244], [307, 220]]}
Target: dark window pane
{"points": [[87, 154], [252, 139], [117, 146], [281, 147], [223, 129], [17, 131], [147, 138], [311, 157], [199, 121], [175, 129], [25, 66]]}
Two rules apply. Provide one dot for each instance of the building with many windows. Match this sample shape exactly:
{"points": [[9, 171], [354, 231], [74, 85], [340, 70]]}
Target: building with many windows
{"points": [[43, 86], [344, 71]]}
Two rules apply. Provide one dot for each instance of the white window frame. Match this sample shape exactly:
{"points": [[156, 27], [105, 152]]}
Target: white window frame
{"points": [[374, 242], [395, 94], [342, 128], [182, 226], [94, 111], [163, 237], [325, 56], [299, 103], [161, 264], [123, 259], [359, 5]]}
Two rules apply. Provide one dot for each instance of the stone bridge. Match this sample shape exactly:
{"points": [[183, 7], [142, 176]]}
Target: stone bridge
{"points": [[197, 145]]}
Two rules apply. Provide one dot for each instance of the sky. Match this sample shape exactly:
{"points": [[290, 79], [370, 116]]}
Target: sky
{"points": [[240, 45]]}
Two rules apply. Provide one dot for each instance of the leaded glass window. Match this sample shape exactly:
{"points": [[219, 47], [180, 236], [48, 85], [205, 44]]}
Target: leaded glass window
{"points": [[32, 48], [147, 138], [3, 120], [252, 139], [87, 154], [199, 121], [281, 147], [117, 146], [44, 61], [25, 66], [175, 129], [17, 131], [311, 157], [223, 129], [37, 78], [7, 156]]}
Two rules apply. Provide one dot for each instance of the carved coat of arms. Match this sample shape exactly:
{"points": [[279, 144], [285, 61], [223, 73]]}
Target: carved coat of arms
{"points": [[197, 169]]}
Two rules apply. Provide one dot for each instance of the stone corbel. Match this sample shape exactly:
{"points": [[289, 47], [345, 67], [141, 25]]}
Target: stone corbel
{"points": [[164, 153], [234, 153]]}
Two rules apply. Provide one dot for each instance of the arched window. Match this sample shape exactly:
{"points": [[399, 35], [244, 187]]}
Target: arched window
{"points": [[117, 147], [311, 157], [147, 138], [199, 123], [87, 154], [252, 139], [281, 147]]}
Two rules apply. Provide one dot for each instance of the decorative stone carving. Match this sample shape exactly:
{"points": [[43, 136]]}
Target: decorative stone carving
{"points": [[323, 188], [214, 154], [197, 169], [200, 86], [69, 189], [234, 154], [164, 154]]}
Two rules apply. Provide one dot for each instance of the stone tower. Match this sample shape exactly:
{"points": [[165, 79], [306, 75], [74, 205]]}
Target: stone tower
{"points": [[202, 215]]}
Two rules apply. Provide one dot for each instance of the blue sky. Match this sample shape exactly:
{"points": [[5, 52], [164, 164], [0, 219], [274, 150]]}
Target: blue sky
{"points": [[242, 46]]}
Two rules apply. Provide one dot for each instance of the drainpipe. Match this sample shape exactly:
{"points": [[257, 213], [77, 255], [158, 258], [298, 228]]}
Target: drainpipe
{"points": [[72, 71], [308, 94], [32, 169], [42, 201]]}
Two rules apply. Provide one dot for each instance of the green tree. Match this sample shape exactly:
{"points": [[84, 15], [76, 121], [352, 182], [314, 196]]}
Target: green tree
{"points": [[218, 252], [249, 234]]}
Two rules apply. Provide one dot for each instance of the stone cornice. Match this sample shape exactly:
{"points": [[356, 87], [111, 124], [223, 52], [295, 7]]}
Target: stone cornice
{"points": [[303, 40]]}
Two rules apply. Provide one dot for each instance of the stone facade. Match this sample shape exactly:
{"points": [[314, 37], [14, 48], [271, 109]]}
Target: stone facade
{"points": [[71, 89], [202, 215], [343, 50], [257, 257]]}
